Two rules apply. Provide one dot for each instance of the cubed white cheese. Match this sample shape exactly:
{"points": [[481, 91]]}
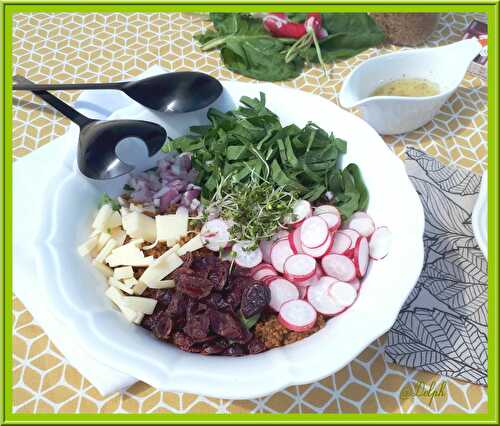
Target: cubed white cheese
{"points": [[120, 285], [123, 272], [103, 239], [171, 227], [138, 318], [102, 217], [138, 225], [130, 281], [89, 245], [101, 267], [139, 288], [106, 250], [144, 305], [119, 235], [114, 220], [161, 268], [129, 314], [193, 244], [168, 252], [114, 260], [115, 295], [162, 284]]}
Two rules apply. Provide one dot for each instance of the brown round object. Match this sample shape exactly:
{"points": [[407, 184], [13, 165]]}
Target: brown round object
{"points": [[406, 29]]}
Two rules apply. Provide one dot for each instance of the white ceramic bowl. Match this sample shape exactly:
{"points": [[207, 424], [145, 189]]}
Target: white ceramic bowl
{"points": [[76, 291]]}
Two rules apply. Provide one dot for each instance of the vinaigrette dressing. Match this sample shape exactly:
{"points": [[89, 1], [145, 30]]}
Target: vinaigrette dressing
{"points": [[411, 87]]}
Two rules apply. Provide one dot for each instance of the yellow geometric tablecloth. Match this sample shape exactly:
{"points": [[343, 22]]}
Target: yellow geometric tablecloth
{"points": [[70, 48]]}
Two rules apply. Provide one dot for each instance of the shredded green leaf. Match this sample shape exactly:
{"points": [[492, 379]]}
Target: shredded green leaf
{"points": [[106, 199]]}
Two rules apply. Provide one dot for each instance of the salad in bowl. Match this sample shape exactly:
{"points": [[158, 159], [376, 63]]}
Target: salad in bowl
{"points": [[248, 235]]}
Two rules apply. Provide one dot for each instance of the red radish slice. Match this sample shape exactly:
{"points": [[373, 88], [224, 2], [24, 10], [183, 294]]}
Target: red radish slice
{"points": [[215, 233], [318, 296], [343, 293], [280, 252], [269, 279], [362, 223], [265, 247], [263, 270], [361, 257], [301, 210], [341, 243], [302, 293], [321, 250], [260, 266], [326, 208], [299, 267], [339, 267], [282, 291], [354, 236], [294, 240], [244, 256], [297, 315], [332, 220], [314, 280], [313, 232], [280, 235], [380, 243], [356, 284]]}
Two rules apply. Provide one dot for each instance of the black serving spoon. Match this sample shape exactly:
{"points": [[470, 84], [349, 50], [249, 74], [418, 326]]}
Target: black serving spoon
{"points": [[98, 139], [182, 91]]}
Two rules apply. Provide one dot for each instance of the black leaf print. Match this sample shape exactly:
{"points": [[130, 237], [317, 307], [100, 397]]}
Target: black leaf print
{"points": [[442, 327]]}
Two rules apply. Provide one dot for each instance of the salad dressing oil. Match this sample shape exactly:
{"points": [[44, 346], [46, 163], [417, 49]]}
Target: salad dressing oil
{"points": [[411, 87]]}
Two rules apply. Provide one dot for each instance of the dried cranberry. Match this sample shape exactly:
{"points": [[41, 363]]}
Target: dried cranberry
{"points": [[183, 341], [177, 305], [217, 301], [255, 346], [235, 350], [240, 271], [163, 327], [218, 275], [197, 326], [228, 325], [214, 348], [193, 286], [254, 299], [237, 285]]}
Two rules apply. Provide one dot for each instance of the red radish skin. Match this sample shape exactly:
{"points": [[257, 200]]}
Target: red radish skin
{"points": [[332, 220], [313, 232], [247, 258], [337, 266], [341, 243], [343, 293], [294, 240], [302, 293], [361, 257], [260, 266], [321, 250], [318, 296], [269, 279], [282, 291], [263, 273], [354, 236], [356, 284], [362, 223], [299, 267], [280, 252], [301, 210], [297, 315], [314, 280], [380, 243]]}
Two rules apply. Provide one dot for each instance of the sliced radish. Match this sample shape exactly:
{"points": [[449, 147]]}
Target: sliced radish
{"points": [[299, 267], [280, 235], [318, 296], [354, 236], [280, 252], [356, 284], [341, 243], [297, 315], [294, 240], [269, 279], [332, 220], [321, 250], [313, 232], [265, 247], [343, 293], [301, 210], [380, 243], [302, 293], [339, 267], [326, 208], [263, 270], [215, 233], [246, 257], [362, 223], [282, 291], [314, 280], [361, 257]]}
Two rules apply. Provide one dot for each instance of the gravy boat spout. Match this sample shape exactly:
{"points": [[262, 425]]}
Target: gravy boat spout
{"points": [[445, 66]]}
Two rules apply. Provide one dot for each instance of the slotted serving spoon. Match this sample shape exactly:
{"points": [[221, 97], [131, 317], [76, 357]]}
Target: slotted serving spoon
{"points": [[182, 91], [96, 156]]}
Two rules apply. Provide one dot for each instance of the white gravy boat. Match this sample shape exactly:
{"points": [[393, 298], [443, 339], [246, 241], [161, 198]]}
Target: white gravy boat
{"points": [[389, 115]]}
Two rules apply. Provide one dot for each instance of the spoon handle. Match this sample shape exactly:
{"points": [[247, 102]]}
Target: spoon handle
{"points": [[78, 86], [59, 105]]}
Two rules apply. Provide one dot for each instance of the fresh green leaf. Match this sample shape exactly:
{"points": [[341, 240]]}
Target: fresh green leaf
{"points": [[250, 322], [106, 199]]}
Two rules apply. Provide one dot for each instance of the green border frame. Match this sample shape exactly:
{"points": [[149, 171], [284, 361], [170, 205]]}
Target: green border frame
{"points": [[8, 8]]}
